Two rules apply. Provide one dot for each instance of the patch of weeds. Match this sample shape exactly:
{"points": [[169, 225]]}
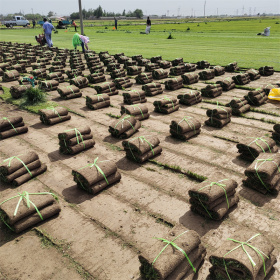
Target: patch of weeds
{"points": [[262, 119], [273, 218], [225, 138], [196, 176], [114, 147], [264, 112], [150, 169], [163, 222], [244, 87], [34, 96], [76, 113], [113, 116]]}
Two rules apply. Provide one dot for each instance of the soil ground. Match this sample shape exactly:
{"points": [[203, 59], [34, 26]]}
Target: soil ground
{"points": [[100, 236]]}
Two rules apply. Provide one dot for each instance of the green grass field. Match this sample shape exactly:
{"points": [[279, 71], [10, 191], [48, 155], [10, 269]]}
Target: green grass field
{"points": [[218, 41]]}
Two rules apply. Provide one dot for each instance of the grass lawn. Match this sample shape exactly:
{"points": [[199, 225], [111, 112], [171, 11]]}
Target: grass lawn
{"points": [[218, 41]]}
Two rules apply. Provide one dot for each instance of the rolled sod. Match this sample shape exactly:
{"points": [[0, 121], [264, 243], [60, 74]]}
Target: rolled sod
{"points": [[219, 123], [140, 158], [184, 136]]}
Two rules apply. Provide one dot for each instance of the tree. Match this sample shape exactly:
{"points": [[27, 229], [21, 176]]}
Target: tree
{"points": [[75, 15], [98, 12], [50, 14], [138, 13], [123, 13]]}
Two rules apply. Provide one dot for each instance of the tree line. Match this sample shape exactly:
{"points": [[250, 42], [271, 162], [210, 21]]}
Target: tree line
{"points": [[99, 12]]}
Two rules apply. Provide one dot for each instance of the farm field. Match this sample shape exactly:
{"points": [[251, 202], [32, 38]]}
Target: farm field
{"points": [[219, 42], [100, 236]]}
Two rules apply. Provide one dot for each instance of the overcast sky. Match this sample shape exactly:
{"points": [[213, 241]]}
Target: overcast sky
{"points": [[149, 7]]}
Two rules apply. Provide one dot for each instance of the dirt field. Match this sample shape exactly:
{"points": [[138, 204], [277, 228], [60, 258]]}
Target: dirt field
{"points": [[100, 236]]}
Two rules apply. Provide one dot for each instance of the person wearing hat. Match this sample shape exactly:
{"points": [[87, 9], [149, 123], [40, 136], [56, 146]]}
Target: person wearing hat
{"points": [[48, 28], [80, 40]]}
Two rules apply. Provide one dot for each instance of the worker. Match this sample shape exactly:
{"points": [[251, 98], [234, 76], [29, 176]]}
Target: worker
{"points": [[80, 40], [48, 28]]}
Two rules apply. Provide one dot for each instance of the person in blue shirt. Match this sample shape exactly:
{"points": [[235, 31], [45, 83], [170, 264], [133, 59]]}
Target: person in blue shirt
{"points": [[48, 28]]}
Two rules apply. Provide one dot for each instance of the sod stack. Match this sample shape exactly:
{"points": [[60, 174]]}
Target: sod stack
{"points": [[190, 78], [129, 63], [48, 85], [19, 169], [92, 64], [203, 64], [73, 73], [149, 67], [239, 106], [252, 148], [143, 61], [253, 260], [53, 115], [96, 78], [276, 133], [155, 59], [219, 70], [159, 74], [232, 67], [218, 117], [227, 84], [117, 55], [38, 65], [144, 78], [124, 127], [134, 70], [190, 97], [138, 111], [256, 97], [190, 67], [107, 87], [122, 83], [253, 74], [166, 105], [164, 64], [207, 74], [69, 92], [122, 59], [263, 174], [59, 68], [117, 73], [177, 70], [162, 262], [266, 70], [174, 84], [12, 126], [19, 215], [75, 140], [185, 128], [214, 198], [96, 176], [241, 79], [152, 89], [21, 68], [177, 61], [134, 97], [79, 81], [113, 66], [56, 76], [10, 75], [18, 90], [212, 90], [137, 57], [95, 102], [142, 148], [96, 69]]}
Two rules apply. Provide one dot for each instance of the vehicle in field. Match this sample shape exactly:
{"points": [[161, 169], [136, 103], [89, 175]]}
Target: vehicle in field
{"points": [[17, 21]]}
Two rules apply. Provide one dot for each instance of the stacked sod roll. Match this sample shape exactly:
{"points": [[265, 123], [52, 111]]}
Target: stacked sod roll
{"points": [[164, 64], [227, 84], [96, 176], [232, 67], [96, 78], [203, 64], [253, 74], [168, 262], [48, 85], [219, 70], [177, 61], [212, 90], [207, 74], [56, 76], [215, 197], [190, 78], [12, 126], [69, 92], [256, 97], [263, 175], [107, 87], [144, 78], [185, 128], [266, 70], [190, 67], [149, 67], [124, 127], [18, 90], [20, 211], [117, 73], [134, 70], [138, 111], [218, 117], [166, 105], [73, 73], [239, 106], [123, 82], [159, 74], [142, 148], [177, 70], [75, 140], [253, 260], [241, 79], [54, 115], [276, 133], [190, 97], [95, 102], [174, 83], [249, 150], [152, 89], [10, 75], [79, 81], [134, 97], [19, 169]]}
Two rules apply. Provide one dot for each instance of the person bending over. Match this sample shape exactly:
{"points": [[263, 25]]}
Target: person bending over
{"points": [[80, 40]]}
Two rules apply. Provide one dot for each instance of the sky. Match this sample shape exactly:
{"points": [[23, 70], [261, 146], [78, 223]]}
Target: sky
{"points": [[149, 7]]}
